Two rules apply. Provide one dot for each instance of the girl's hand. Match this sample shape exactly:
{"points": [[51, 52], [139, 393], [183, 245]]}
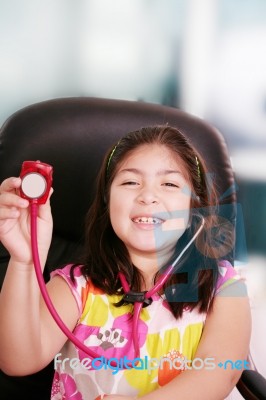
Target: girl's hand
{"points": [[15, 224]]}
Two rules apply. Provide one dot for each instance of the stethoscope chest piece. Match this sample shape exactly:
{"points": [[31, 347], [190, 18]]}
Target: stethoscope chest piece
{"points": [[36, 181], [33, 185]]}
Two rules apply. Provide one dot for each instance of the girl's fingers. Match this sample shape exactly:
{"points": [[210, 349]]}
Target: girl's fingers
{"points": [[10, 184], [50, 193], [9, 196], [9, 213], [8, 199]]}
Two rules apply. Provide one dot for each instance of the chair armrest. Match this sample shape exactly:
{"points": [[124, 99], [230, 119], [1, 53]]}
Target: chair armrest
{"points": [[252, 385]]}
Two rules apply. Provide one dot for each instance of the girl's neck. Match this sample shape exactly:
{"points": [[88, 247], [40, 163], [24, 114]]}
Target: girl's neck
{"points": [[149, 265]]}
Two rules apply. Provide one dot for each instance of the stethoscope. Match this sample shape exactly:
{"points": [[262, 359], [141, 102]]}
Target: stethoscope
{"points": [[139, 299], [144, 299]]}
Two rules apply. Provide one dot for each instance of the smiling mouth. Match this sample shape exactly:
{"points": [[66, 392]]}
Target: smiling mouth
{"points": [[147, 220]]}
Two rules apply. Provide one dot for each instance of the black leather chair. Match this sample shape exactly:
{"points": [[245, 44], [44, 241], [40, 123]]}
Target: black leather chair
{"points": [[72, 134]]}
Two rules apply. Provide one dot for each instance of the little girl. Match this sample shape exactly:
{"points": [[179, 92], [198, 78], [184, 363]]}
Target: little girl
{"points": [[153, 209]]}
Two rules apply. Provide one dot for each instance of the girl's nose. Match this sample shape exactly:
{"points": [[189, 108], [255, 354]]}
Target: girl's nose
{"points": [[147, 196]]}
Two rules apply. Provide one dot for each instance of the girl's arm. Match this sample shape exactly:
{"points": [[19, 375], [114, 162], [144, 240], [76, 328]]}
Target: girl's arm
{"points": [[28, 336]]}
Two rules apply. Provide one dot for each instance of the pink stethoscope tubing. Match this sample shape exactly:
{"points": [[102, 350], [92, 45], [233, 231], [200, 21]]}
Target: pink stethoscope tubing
{"points": [[44, 292], [137, 305]]}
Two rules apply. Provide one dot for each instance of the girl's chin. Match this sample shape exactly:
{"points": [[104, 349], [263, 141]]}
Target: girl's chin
{"points": [[150, 249], [145, 248]]}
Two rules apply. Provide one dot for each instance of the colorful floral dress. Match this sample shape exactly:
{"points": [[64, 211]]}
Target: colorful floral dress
{"points": [[165, 343]]}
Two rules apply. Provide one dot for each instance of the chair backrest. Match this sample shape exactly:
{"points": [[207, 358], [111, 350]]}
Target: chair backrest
{"points": [[72, 134]]}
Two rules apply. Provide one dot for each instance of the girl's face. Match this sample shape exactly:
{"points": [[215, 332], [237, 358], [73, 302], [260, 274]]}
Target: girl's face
{"points": [[150, 200]]}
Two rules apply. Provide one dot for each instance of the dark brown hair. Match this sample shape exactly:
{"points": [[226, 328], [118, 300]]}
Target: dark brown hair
{"points": [[196, 274]]}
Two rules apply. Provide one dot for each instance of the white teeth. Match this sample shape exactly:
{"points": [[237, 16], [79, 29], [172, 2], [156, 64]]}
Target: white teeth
{"points": [[147, 220]]}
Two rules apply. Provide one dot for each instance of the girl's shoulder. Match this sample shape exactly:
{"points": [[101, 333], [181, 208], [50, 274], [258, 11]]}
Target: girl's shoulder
{"points": [[79, 285], [227, 276]]}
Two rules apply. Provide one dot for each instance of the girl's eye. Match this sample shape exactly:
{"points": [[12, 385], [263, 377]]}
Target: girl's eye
{"points": [[130, 183], [170, 185]]}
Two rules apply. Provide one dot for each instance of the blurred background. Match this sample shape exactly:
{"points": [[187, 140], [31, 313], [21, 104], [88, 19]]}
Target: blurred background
{"points": [[206, 57]]}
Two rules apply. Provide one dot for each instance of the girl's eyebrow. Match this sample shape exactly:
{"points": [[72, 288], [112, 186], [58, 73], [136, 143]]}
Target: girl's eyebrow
{"points": [[139, 172]]}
